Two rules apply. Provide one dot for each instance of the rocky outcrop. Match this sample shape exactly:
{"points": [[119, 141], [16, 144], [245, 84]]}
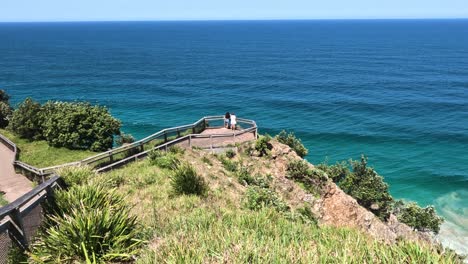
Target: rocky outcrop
{"points": [[332, 206]]}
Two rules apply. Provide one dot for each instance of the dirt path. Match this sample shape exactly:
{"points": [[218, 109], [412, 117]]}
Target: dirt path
{"points": [[12, 184]]}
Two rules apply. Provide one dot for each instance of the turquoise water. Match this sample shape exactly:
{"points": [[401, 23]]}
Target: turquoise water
{"points": [[396, 91]]}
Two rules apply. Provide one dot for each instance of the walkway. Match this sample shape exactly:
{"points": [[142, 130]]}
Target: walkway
{"points": [[12, 184]]}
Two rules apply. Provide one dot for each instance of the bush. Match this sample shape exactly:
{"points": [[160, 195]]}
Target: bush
{"points": [[124, 139], [5, 114], [368, 188], [228, 164], [298, 169], [230, 153], [263, 145], [186, 181], [76, 175], [293, 142], [176, 150], [26, 121], [79, 126], [422, 219], [164, 160], [4, 97], [257, 198], [92, 221], [337, 172], [92, 196], [244, 177]]}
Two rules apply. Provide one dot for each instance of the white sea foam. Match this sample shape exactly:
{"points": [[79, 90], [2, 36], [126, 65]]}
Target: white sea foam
{"points": [[454, 231]]}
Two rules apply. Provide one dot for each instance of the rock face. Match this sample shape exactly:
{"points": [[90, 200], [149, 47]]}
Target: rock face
{"points": [[334, 207]]}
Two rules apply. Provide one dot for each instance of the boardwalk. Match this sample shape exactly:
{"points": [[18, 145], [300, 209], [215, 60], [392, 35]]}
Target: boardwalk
{"points": [[12, 184]]}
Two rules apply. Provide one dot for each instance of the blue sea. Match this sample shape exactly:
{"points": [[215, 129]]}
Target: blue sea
{"points": [[394, 90]]}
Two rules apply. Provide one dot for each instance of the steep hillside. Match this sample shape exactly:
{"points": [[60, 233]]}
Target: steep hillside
{"points": [[254, 213]]}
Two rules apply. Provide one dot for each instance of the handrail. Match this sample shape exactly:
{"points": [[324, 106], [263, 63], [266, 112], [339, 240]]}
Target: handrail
{"points": [[27, 197], [9, 143], [41, 172]]}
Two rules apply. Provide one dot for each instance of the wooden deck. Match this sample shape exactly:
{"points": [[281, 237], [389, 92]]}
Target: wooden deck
{"points": [[216, 140]]}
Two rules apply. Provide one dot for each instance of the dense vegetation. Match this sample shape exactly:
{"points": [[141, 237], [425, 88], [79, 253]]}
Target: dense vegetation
{"points": [[65, 124], [5, 109], [369, 189]]}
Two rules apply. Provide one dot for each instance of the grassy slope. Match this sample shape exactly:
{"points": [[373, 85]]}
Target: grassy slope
{"points": [[218, 229], [39, 154]]}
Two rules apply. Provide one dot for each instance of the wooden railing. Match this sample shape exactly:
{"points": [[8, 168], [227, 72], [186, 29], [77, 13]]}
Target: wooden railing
{"points": [[161, 140]]}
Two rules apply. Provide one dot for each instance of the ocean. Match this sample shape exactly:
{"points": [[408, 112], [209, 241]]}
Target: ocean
{"points": [[394, 90]]}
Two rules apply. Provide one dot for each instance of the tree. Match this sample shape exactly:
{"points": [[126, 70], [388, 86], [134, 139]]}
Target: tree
{"points": [[27, 119], [79, 126], [368, 188], [422, 219]]}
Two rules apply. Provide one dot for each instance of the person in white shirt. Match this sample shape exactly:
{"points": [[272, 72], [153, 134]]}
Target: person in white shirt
{"points": [[233, 121]]}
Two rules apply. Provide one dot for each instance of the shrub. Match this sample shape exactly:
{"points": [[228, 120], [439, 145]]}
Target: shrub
{"points": [[79, 126], [92, 196], [228, 164], [422, 219], [263, 145], [76, 175], [26, 121], [124, 139], [92, 221], [4, 97], [230, 153], [186, 181], [5, 114], [293, 142], [298, 170], [176, 150], [164, 160], [306, 215], [244, 177], [337, 172], [257, 198], [368, 188]]}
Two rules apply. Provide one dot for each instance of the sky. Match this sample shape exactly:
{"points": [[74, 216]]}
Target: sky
{"points": [[125, 10]]}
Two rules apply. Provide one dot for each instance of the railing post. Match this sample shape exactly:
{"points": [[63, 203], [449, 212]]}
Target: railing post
{"points": [[165, 136], [178, 133], [193, 130], [190, 141], [142, 147], [211, 143]]}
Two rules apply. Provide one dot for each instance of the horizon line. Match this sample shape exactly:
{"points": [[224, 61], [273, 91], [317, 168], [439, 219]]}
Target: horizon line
{"points": [[228, 20]]}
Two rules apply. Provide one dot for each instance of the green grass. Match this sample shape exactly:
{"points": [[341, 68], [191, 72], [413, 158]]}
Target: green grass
{"points": [[216, 228], [3, 202], [40, 154]]}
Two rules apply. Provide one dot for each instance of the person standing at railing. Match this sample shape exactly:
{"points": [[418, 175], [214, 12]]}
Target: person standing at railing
{"points": [[233, 121], [227, 120]]}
